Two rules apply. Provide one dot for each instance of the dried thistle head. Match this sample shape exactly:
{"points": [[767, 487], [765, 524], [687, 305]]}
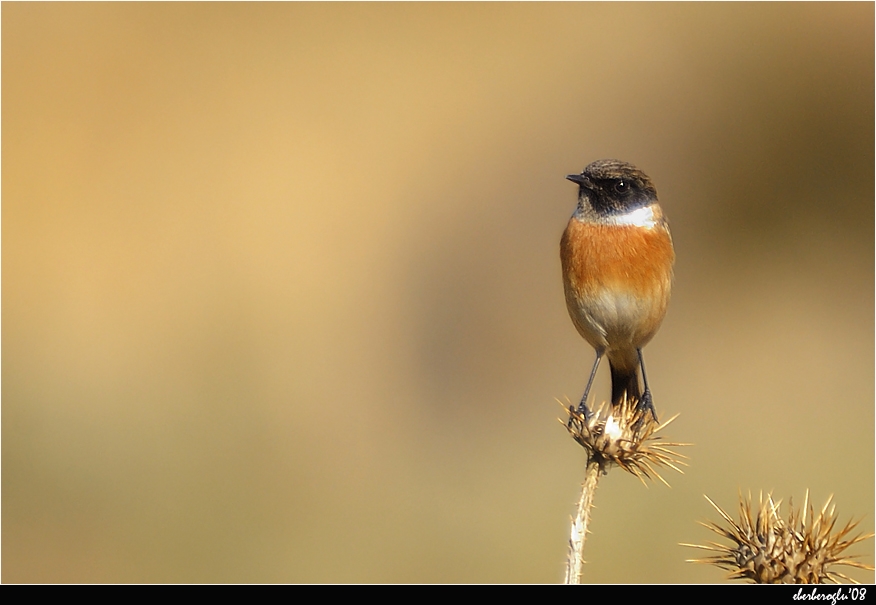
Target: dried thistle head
{"points": [[624, 435], [768, 549]]}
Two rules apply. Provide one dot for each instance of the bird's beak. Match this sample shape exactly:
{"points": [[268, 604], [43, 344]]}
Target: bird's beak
{"points": [[581, 180]]}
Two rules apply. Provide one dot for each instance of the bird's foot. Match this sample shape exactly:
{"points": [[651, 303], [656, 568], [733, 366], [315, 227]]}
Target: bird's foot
{"points": [[646, 402], [582, 412]]}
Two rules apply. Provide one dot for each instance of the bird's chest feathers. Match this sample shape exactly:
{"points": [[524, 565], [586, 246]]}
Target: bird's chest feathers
{"points": [[626, 259]]}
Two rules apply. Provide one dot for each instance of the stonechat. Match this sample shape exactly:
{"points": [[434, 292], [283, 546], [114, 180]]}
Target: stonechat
{"points": [[617, 258]]}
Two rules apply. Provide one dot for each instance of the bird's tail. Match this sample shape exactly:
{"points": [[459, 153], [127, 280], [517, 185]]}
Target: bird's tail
{"points": [[624, 383]]}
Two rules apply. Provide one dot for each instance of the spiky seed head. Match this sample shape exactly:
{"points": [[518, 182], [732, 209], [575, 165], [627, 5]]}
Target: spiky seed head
{"points": [[626, 436], [769, 549]]}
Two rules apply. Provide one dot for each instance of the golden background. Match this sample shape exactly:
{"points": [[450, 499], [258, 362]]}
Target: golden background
{"points": [[282, 296]]}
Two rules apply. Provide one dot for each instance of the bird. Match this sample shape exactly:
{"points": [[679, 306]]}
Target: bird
{"points": [[617, 259]]}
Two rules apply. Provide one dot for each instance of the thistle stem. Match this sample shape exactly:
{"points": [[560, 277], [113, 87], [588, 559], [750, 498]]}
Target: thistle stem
{"points": [[575, 559]]}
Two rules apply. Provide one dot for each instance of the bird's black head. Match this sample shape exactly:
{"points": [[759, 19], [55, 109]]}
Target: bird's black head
{"points": [[613, 187]]}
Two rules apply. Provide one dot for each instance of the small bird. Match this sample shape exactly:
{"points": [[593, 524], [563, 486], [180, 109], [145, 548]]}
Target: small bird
{"points": [[617, 258]]}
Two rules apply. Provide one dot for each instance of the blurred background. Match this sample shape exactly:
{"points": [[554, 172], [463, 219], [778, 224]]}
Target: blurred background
{"points": [[282, 297]]}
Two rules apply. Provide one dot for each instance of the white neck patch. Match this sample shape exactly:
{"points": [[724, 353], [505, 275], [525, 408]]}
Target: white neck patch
{"points": [[640, 217]]}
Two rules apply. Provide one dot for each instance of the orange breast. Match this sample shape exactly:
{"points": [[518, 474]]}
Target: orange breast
{"points": [[617, 280], [625, 256]]}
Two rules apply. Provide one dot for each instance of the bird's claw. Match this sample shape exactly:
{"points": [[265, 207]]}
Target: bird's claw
{"points": [[582, 411], [646, 402]]}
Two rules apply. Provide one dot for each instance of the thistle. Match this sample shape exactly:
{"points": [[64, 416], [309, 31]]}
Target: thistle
{"points": [[623, 435], [768, 549], [626, 436]]}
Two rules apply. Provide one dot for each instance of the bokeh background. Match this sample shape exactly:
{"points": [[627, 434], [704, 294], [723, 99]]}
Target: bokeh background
{"points": [[282, 298]]}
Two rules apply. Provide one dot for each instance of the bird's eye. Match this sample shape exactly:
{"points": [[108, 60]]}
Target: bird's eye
{"points": [[622, 186]]}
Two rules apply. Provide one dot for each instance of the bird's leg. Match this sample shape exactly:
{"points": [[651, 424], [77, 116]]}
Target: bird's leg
{"points": [[582, 407], [646, 402]]}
